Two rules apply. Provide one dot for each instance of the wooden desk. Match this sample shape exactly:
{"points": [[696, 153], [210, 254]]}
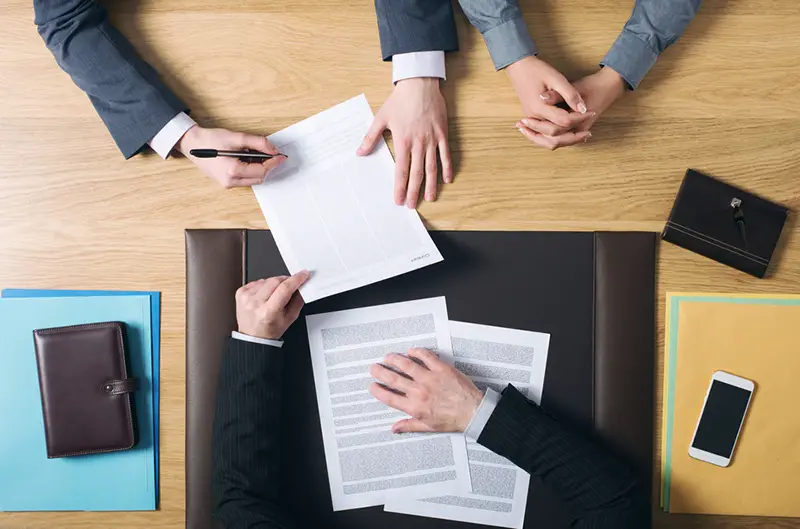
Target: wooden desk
{"points": [[74, 214]]}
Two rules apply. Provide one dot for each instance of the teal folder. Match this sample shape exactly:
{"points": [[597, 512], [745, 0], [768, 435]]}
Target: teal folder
{"points": [[117, 481], [155, 318]]}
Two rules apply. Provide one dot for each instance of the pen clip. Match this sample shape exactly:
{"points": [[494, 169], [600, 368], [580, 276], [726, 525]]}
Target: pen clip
{"points": [[738, 217]]}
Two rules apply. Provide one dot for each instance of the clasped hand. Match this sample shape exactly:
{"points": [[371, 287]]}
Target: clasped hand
{"points": [[540, 88]]}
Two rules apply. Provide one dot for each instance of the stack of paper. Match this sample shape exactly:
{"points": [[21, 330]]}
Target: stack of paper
{"points": [[755, 337], [435, 475], [80, 482]]}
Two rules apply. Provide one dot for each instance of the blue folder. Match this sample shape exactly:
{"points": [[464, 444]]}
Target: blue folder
{"points": [[155, 317], [116, 481]]}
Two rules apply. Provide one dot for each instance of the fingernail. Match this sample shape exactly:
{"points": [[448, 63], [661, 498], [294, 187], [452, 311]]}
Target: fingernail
{"points": [[587, 137], [518, 125], [582, 107], [544, 96], [304, 272], [526, 122]]}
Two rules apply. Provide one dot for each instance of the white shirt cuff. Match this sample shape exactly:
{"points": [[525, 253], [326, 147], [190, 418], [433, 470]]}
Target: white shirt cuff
{"points": [[418, 64], [247, 338], [167, 137], [482, 414]]}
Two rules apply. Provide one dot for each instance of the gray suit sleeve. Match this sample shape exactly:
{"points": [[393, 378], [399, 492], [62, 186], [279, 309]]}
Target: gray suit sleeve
{"points": [[127, 93], [407, 26], [652, 28], [503, 29]]}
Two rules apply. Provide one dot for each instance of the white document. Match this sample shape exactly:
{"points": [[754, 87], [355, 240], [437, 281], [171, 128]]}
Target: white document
{"points": [[333, 213], [492, 357], [367, 463]]}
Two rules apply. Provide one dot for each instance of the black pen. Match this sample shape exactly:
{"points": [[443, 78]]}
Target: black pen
{"points": [[245, 156]]}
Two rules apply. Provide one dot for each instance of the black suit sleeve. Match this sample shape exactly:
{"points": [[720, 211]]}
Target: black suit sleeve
{"points": [[246, 441], [127, 93], [601, 492], [407, 26]]}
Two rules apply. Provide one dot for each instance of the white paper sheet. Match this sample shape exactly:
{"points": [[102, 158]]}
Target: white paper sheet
{"points": [[333, 213], [493, 357], [367, 463]]}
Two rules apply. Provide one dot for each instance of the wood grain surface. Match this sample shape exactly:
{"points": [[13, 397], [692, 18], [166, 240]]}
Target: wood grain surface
{"points": [[74, 214]]}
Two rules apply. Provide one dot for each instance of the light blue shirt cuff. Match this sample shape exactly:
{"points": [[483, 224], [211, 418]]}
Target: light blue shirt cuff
{"points": [[631, 57], [509, 42], [247, 338], [482, 414]]}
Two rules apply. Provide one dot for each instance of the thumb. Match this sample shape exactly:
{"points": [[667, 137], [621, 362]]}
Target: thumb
{"points": [[373, 135], [551, 97], [258, 143], [410, 425], [570, 94]]}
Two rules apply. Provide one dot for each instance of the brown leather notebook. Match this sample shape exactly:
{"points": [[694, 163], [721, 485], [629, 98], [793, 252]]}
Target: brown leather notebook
{"points": [[85, 389]]}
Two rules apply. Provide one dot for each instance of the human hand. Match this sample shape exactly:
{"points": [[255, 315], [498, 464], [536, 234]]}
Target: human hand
{"points": [[547, 125], [229, 172], [417, 116], [436, 395], [267, 307], [599, 90]]}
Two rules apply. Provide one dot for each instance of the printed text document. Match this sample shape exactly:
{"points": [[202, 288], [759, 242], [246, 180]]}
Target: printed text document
{"points": [[367, 463], [491, 357]]}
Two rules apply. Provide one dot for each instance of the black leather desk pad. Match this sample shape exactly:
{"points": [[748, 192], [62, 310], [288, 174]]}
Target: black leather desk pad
{"points": [[593, 292]]}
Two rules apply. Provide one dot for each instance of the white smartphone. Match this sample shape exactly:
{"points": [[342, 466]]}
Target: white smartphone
{"points": [[724, 409]]}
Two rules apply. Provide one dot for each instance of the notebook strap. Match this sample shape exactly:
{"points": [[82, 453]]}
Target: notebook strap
{"points": [[118, 387]]}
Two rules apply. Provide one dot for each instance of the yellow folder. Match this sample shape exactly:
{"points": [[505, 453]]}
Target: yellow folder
{"points": [[756, 337]]}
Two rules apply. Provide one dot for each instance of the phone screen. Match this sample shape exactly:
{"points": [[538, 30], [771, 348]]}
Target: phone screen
{"points": [[721, 419]]}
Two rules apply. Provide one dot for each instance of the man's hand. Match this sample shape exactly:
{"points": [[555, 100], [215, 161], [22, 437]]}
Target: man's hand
{"points": [[435, 394], [417, 116], [267, 307], [600, 90], [229, 172], [547, 125]]}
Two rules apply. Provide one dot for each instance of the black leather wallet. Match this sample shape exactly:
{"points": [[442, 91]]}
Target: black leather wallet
{"points": [[725, 223]]}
